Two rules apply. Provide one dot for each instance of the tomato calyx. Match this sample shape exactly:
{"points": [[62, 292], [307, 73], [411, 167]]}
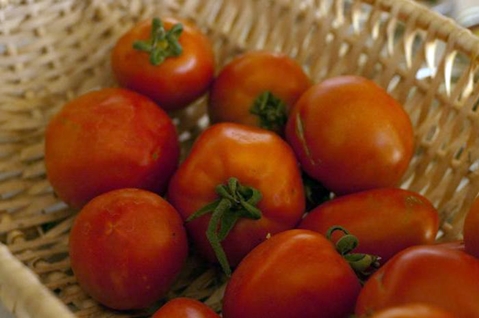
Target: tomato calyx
{"points": [[161, 44], [235, 201], [362, 264], [270, 110]]}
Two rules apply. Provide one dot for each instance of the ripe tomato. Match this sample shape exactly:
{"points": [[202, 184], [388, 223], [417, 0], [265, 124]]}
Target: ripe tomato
{"points": [[183, 307], [385, 220], [430, 274], [253, 193], [257, 88], [127, 246], [109, 139], [411, 310], [169, 60], [351, 135], [471, 230], [296, 273]]}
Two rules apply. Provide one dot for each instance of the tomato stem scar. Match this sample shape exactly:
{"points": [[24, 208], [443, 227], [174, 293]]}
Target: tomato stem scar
{"points": [[271, 111], [161, 44], [362, 264], [235, 201]]}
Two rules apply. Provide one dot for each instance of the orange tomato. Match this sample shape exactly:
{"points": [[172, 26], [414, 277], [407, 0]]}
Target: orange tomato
{"points": [[471, 230]]}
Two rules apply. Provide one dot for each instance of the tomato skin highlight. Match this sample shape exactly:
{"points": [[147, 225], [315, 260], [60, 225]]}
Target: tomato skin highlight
{"points": [[183, 307], [385, 220], [249, 154], [127, 246], [295, 273], [179, 80], [411, 310], [431, 274], [351, 135], [471, 230], [109, 139], [246, 77]]}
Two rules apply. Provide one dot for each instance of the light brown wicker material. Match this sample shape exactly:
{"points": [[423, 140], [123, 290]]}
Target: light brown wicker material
{"points": [[53, 50]]}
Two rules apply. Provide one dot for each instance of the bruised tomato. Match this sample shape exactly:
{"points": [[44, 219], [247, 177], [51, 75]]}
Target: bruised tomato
{"points": [[385, 220], [237, 185], [431, 274], [127, 247], [257, 88], [351, 135], [411, 310], [184, 307], [471, 230], [296, 273], [169, 60], [109, 139]]}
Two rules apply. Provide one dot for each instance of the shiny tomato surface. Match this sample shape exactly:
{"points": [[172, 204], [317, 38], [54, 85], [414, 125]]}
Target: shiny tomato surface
{"points": [[108, 139], [184, 307], [296, 273], [257, 88], [385, 220], [256, 158], [127, 247], [178, 80], [351, 135], [471, 230], [431, 274], [411, 310]]}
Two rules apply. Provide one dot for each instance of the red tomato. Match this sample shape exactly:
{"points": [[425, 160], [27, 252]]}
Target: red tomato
{"points": [[127, 247], [296, 273], [109, 139], [385, 220], [430, 274], [412, 310], [471, 230], [257, 88], [185, 69], [241, 161], [183, 307], [351, 135]]}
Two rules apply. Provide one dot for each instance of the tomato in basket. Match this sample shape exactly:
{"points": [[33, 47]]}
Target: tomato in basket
{"points": [[351, 135], [430, 274], [184, 307], [108, 139], [296, 273], [385, 220], [169, 60], [237, 185], [471, 230], [127, 247], [411, 310], [257, 88]]}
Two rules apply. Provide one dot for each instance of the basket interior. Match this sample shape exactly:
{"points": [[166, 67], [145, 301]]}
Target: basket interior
{"points": [[53, 51]]}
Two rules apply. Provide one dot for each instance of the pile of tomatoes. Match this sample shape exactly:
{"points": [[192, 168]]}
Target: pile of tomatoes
{"points": [[291, 191]]}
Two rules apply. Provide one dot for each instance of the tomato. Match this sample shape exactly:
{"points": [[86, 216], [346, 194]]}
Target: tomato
{"points": [[233, 177], [109, 139], [385, 220], [175, 72], [411, 310], [296, 273], [351, 135], [184, 307], [257, 88], [127, 246], [430, 274], [471, 230]]}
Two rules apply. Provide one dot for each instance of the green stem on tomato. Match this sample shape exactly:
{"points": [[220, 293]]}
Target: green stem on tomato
{"points": [[271, 111], [161, 44], [235, 201], [362, 264]]}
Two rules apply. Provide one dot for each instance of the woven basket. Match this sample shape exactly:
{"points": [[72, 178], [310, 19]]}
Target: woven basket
{"points": [[54, 50]]}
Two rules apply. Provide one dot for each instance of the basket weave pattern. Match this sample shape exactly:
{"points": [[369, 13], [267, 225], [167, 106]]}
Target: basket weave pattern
{"points": [[54, 50]]}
